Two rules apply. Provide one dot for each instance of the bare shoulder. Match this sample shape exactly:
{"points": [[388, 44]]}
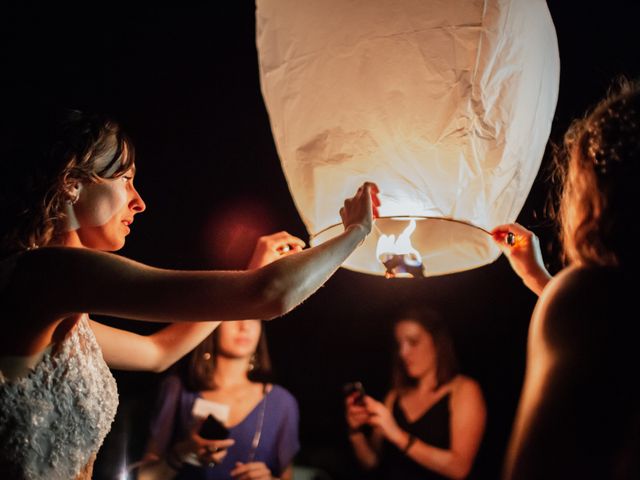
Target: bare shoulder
{"points": [[464, 388], [579, 281], [464, 383], [579, 385], [580, 309]]}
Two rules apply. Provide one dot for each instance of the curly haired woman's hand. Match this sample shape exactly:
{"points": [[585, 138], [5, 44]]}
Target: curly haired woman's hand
{"points": [[522, 249]]}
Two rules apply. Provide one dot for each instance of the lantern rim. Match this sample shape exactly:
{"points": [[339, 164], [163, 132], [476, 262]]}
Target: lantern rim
{"points": [[407, 217]]}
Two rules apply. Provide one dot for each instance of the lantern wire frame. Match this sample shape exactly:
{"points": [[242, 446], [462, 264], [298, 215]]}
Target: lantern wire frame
{"points": [[446, 245]]}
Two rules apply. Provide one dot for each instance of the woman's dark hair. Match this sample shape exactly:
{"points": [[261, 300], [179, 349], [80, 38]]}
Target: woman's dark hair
{"points": [[599, 172], [42, 156], [447, 364], [201, 363]]}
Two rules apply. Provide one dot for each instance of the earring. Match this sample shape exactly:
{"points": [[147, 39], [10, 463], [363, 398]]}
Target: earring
{"points": [[73, 198], [252, 363], [73, 193]]}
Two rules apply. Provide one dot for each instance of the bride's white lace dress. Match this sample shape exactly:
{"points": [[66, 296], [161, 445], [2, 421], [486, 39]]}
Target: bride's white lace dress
{"points": [[53, 421]]}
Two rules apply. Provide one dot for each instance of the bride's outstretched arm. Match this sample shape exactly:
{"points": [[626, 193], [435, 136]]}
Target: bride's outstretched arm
{"points": [[72, 280], [156, 352]]}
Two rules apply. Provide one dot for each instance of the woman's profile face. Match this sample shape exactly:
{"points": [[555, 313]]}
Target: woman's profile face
{"points": [[239, 339], [416, 348], [104, 211]]}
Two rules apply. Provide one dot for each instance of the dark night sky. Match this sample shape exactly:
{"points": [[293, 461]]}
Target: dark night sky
{"points": [[184, 83]]}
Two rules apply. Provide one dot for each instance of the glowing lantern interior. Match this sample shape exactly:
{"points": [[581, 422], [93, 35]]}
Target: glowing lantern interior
{"points": [[389, 244]]}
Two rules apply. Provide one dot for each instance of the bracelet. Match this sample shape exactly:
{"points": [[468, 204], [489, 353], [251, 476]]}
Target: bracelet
{"points": [[410, 442]]}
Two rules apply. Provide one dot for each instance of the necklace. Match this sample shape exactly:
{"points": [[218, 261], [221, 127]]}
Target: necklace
{"points": [[258, 433]]}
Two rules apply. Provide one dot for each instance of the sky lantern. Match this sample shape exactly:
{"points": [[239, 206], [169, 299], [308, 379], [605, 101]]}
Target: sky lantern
{"points": [[445, 104]]}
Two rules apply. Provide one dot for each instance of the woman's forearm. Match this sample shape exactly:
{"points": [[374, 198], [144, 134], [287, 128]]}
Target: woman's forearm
{"points": [[124, 350], [298, 276], [444, 462], [363, 450], [176, 340], [536, 280]]}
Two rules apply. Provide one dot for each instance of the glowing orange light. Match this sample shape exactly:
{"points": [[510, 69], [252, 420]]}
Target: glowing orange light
{"points": [[399, 256]]}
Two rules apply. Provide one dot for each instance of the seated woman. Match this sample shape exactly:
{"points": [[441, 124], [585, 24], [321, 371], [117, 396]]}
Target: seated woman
{"points": [[67, 198], [432, 421], [225, 375]]}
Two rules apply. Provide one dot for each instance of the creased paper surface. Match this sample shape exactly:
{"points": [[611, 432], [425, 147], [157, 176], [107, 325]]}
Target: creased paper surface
{"points": [[445, 104]]}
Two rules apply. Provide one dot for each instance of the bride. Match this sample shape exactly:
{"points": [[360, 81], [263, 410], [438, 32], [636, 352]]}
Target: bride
{"points": [[67, 198]]}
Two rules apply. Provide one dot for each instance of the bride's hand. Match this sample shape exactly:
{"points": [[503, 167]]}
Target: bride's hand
{"points": [[362, 208]]}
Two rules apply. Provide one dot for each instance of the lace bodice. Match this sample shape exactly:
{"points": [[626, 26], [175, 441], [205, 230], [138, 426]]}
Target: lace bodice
{"points": [[53, 421]]}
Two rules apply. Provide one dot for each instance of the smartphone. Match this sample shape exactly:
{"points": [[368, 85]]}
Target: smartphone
{"points": [[212, 429], [357, 388]]}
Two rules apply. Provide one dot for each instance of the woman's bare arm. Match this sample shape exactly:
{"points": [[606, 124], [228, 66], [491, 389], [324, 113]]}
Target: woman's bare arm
{"points": [[524, 255], [156, 352], [123, 350], [467, 423], [367, 448], [468, 416], [70, 280]]}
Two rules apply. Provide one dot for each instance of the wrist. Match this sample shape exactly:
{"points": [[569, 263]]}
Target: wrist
{"points": [[399, 438], [410, 441], [358, 229], [537, 280]]}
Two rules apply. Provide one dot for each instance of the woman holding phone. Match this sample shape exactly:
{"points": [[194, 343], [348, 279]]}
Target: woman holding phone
{"points": [[432, 421], [226, 376]]}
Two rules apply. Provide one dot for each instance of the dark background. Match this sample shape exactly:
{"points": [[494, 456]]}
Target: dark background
{"points": [[184, 83]]}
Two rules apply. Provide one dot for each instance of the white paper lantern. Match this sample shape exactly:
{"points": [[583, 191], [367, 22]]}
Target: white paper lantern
{"points": [[445, 104]]}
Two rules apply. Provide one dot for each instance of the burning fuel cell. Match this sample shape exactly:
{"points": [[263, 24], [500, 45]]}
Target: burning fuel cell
{"points": [[397, 265], [399, 257]]}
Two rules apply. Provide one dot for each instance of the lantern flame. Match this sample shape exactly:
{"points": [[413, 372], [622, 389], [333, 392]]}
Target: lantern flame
{"points": [[399, 256]]}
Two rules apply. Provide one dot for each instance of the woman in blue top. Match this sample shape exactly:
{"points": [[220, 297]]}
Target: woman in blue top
{"points": [[225, 376], [262, 418]]}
